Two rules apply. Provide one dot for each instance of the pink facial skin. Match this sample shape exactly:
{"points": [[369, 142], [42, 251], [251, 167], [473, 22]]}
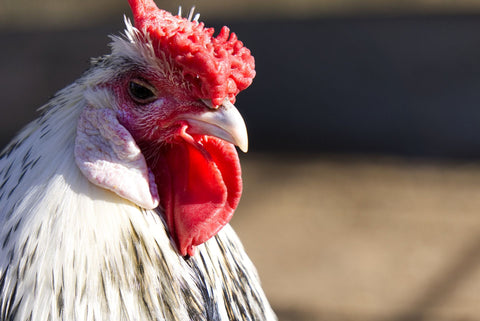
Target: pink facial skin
{"points": [[108, 156], [145, 154]]}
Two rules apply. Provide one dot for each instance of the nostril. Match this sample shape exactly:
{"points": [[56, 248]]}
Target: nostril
{"points": [[210, 104]]}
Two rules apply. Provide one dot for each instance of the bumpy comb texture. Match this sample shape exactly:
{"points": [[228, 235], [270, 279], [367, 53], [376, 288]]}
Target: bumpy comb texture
{"points": [[216, 67]]}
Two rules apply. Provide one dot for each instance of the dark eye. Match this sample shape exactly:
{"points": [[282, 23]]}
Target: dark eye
{"points": [[141, 91]]}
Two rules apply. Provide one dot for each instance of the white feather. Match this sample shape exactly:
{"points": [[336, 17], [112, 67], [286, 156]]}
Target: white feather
{"points": [[73, 251]]}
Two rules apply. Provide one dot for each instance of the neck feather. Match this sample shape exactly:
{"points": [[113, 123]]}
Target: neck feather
{"points": [[73, 251]]}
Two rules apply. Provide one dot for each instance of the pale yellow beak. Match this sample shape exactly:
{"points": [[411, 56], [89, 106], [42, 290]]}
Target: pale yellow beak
{"points": [[224, 122]]}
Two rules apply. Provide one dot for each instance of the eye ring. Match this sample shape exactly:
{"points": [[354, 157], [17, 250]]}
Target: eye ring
{"points": [[141, 91]]}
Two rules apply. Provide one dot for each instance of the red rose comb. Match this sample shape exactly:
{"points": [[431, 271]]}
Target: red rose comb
{"points": [[216, 67]]}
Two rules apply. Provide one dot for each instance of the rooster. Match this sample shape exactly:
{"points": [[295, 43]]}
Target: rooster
{"points": [[115, 202]]}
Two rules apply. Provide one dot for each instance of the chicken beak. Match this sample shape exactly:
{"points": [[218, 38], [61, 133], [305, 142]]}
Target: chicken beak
{"points": [[224, 122]]}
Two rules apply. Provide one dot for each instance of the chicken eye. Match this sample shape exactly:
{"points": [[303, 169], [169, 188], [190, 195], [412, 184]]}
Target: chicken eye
{"points": [[141, 92]]}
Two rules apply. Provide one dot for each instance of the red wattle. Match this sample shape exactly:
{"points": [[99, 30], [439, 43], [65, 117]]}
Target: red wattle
{"points": [[199, 187]]}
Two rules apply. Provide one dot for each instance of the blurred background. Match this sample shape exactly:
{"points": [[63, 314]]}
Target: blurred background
{"points": [[362, 184]]}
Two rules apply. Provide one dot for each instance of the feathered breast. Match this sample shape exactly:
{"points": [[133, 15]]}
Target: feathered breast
{"points": [[73, 251]]}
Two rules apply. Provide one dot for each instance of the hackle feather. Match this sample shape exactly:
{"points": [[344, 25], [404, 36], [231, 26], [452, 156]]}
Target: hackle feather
{"points": [[70, 250]]}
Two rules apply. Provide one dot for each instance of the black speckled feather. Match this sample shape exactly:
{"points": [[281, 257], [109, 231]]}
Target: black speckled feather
{"points": [[71, 250]]}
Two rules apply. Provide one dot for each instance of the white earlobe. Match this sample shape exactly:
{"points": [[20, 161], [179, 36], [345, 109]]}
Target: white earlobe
{"points": [[108, 156]]}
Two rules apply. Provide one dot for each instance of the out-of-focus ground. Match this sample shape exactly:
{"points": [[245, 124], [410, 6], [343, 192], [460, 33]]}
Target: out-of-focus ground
{"points": [[338, 229], [339, 239]]}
